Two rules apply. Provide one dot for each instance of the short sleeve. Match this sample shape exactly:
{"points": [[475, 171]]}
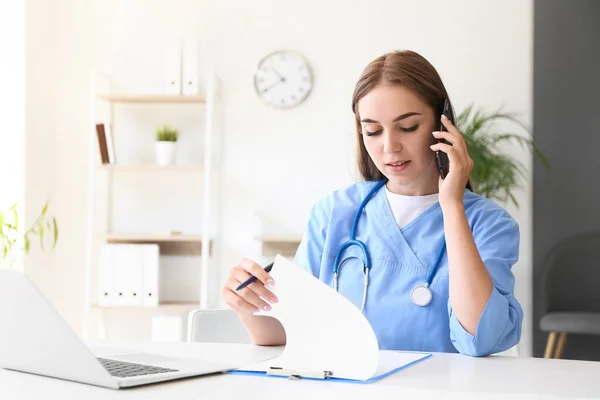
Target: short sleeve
{"points": [[497, 238], [310, 251]]}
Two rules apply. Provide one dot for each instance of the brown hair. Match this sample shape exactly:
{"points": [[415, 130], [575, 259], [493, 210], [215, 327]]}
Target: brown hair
{"points": [[405, 68]]}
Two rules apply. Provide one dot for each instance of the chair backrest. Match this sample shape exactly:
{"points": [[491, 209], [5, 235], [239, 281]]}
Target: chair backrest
{"points": [[570, 275], [216, 326]]}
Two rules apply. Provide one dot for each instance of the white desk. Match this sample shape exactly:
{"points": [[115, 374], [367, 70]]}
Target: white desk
{"points": [[442, 376]]}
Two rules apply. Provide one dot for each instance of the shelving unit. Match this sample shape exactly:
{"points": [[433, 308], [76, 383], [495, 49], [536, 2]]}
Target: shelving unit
{"points": [[167, 307], [151, 98], [272, 245], [187, 245], [200, 245], [151, 168]]}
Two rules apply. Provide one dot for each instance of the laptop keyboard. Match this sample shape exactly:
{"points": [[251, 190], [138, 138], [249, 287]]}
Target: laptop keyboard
{"points": [[123, 369]]}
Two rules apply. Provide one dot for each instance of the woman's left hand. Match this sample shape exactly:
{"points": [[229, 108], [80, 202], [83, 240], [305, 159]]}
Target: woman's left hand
{"points": [[452, 188]]}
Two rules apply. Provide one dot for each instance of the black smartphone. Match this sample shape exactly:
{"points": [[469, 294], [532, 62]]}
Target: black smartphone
{"points": [[441, 157]]}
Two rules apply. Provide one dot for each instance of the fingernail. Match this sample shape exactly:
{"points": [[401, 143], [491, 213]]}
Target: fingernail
{"points": [[270, 282], [267, 307], [435, 133], [444, 116], [274, 299]]}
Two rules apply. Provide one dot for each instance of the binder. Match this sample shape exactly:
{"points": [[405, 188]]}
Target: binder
{"points": [[120, 274], [150, 275], [189, 82], [172, 68], [132, 275], [334, 342], [106, 284]]}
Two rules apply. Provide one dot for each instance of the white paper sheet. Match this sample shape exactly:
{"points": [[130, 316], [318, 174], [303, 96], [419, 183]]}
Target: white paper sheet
{"points": [[325, 331]]}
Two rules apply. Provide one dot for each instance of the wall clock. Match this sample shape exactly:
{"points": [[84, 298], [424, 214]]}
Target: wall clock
{"points": [[283, 79]]}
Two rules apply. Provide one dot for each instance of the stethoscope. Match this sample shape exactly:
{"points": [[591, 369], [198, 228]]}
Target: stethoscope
{"points": [[420, 296]]}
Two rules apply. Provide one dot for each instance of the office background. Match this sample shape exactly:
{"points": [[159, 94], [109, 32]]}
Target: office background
{"points": [[567, 60], [274, 163]]}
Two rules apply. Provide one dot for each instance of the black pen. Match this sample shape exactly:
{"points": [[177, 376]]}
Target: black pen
{"points": [[253, 278]]}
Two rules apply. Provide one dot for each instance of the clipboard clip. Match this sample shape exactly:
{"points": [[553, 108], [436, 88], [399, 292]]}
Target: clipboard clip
{"points": [[294, 374]]}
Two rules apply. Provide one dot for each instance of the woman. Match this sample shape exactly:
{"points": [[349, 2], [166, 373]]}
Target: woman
{"points": [[414, 226]]}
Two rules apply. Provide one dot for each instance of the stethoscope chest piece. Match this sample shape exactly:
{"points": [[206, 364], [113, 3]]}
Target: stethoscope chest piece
{"points": [[421, 295]]}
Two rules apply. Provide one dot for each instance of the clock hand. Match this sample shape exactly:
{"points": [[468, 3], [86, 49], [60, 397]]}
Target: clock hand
{"points": [[265, 90], [278, 74]]}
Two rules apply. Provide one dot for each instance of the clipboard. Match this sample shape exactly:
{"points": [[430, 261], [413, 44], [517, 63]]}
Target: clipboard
{"points": [[404, 360], [327, 337]]}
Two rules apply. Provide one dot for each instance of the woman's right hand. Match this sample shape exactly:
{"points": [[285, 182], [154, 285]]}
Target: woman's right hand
{"points": [[248, 300]]}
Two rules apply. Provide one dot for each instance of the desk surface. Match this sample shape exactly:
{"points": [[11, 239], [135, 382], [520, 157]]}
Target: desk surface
{"points": [[447, 376]]}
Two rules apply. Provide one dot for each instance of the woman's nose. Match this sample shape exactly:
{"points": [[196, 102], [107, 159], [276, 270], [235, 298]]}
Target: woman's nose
{"points": [[391, 144]]}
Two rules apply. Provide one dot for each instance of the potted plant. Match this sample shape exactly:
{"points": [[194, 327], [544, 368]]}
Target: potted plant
{"points": [[494, 175], [166, 140], [14, 239]]}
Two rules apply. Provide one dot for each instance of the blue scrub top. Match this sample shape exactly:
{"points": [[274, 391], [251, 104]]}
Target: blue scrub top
{"points": [[402, 258]]}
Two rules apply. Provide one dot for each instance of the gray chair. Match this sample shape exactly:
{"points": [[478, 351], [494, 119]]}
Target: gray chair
{"points": [[569, 289], [216, 326]]}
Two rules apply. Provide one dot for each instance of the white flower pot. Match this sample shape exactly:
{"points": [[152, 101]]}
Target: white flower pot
{"points": [[165, 153]]}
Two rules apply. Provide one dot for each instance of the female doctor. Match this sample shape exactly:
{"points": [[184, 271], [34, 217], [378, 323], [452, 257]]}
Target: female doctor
{"points": [[439, 256]]}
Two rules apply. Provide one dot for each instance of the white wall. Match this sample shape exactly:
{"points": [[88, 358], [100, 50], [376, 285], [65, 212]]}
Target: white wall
{"points": [[278, 162], [12, 107]]}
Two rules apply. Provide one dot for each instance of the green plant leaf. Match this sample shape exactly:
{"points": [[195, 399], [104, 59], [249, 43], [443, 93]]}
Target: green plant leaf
{"points": [[44, 209], [167, 133], [494, 175], [55, 231], [15, 218], [41, 235]]}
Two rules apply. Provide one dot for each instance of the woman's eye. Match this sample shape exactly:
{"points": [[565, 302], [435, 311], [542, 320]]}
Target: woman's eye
{"points": [[411, 129], [369, 133]]}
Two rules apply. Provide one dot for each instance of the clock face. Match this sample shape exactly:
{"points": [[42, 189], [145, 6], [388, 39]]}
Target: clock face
{"points": [[283, 79]]}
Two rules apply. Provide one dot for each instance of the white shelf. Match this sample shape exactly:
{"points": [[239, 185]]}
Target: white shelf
{"points": [[285, 245], [190, 245], [150, 168], [280, 239], [167, 307], [150, 238], [151, 98]]}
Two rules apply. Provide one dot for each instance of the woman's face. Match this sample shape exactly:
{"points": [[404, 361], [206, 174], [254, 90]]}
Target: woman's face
{"points": [[396, 127]]}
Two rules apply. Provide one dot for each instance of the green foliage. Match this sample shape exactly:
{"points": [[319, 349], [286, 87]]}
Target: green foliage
{"points": [[167, 133], [13, 238], [494, 175]]}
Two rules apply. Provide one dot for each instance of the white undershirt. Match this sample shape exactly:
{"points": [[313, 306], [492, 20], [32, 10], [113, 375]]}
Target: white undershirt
{"points": [[406, 208]]}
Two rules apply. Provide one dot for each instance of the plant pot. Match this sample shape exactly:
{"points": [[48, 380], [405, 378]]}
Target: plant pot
{"points": [[165, 153]]}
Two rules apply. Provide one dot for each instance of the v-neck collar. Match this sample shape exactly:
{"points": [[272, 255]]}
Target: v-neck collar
{"points": [[379, 206]]}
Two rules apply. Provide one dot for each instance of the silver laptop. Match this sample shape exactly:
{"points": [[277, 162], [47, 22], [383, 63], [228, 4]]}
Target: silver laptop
{"points": [[35, 339]]}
